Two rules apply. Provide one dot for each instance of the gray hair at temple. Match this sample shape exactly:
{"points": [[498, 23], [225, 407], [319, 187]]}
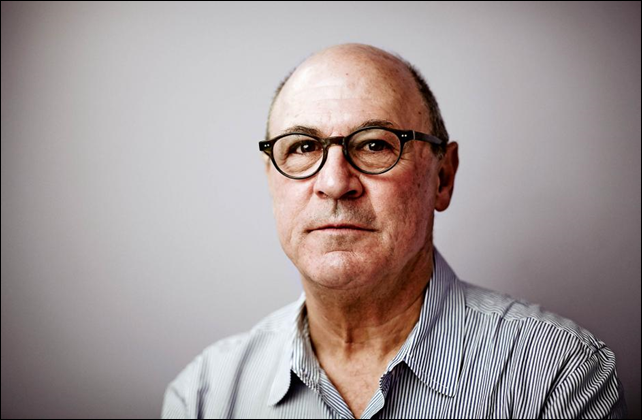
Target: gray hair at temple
{"points": [[438, 127]]}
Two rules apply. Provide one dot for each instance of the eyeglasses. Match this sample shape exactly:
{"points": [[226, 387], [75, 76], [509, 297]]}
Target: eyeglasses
{"points": [[371, 150]]}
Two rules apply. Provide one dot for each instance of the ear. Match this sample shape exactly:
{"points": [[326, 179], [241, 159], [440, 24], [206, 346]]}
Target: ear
{"points": [[447, 171]]}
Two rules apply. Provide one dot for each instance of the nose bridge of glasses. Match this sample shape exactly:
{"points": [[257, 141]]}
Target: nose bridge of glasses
{"points": [[341, 157], [329, 141], [333, 141]]}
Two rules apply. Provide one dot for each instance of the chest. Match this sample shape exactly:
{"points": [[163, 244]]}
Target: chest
{"points": [[357, 384]]}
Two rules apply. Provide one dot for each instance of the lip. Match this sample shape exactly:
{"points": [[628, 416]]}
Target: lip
{"points": [[342, 228]]}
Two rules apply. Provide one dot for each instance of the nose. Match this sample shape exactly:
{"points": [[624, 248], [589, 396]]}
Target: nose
{"points": [[337, 179]]}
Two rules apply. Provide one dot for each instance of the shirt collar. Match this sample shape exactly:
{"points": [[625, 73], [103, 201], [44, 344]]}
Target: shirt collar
{"points": [[283, 376], [436, 345], [433, 349]]}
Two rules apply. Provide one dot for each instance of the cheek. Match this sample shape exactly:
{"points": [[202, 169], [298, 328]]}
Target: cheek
{"points": [[408, 214], [288, 202]]}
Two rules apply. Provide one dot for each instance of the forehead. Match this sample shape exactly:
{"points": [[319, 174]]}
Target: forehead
{"points": [[335, 94]]}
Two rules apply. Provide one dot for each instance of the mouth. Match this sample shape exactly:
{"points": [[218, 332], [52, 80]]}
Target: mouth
{"points": [[342, 228]]}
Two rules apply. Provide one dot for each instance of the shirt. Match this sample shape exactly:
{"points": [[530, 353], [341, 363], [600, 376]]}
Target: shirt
{"points": [[473, 353]]}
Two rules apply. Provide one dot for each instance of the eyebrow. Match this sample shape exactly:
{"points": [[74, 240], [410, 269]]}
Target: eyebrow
{"points": [[316, 132]]}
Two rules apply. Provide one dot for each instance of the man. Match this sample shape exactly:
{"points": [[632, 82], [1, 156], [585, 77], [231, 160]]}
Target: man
{"points": [[357, 161]]}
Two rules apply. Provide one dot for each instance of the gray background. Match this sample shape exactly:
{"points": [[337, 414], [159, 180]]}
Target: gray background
{"points": [[136, 222]]}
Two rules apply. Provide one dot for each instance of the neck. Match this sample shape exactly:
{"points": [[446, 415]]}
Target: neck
{"points": [[346, 325]]}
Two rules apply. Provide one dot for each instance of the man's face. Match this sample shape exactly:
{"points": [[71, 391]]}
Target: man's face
{"points": [[334, 94]]}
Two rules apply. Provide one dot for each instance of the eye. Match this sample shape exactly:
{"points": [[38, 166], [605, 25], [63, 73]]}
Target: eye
{"points": [[304, 146], [376, 145]]}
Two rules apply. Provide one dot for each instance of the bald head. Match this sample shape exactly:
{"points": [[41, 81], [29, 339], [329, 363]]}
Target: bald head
{"points": [[340, 84]]}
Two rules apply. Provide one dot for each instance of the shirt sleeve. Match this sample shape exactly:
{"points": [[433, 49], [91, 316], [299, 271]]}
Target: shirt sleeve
{"points": [[174, 405], [181, 395], [591, 390]]}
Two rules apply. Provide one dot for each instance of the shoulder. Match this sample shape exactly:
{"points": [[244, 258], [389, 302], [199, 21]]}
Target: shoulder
{"points": [[221, 366], [553, 364], [228, 349], [529, 319]]}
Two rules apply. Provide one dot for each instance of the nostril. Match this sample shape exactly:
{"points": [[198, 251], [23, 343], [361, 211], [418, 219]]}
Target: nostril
{"points": [[338, 180]]}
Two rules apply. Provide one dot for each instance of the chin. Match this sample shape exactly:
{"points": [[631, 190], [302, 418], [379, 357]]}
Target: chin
{"points": [[340, 270]]}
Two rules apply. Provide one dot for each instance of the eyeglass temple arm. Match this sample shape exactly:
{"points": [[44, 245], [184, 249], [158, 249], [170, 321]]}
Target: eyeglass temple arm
{"points": [[427, 138]]}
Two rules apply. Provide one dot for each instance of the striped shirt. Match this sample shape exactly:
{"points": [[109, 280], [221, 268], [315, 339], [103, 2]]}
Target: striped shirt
{"points": [[473, 353]]}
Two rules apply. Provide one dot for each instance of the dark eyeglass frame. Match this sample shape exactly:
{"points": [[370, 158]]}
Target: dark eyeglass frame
{"points": [[404, 136]]}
